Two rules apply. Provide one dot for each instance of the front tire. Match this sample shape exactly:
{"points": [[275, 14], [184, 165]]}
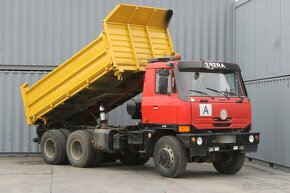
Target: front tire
{"points": [[80, 151], [231, 163], [53, 148], [170, 158]]}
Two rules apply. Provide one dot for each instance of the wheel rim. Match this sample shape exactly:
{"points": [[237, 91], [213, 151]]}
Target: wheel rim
{"points": [[166, 157], [49, 148], [76, 150]]}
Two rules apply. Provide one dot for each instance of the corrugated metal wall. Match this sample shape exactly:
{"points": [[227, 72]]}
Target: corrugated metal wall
{"points": [[271, 110], [51, 31], [47, 32], [262, 45], [15, 135], [262, 41]]}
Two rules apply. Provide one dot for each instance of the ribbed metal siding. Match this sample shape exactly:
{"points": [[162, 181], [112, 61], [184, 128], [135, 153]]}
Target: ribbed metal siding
{"points": [[262, 41], [271, 110], [46, 32], [15, 135], [262, 47]]}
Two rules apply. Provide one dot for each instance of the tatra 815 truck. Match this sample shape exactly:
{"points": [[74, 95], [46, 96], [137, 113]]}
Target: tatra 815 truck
{"points": [[190, 111]]}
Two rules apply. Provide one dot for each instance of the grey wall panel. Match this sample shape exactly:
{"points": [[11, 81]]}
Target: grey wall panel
{"points": [[47, 32], [271, 109], [240, 42], [262, 41], [15, 135], [262, 47], [249, 40], [285, 37], [259, 41]]}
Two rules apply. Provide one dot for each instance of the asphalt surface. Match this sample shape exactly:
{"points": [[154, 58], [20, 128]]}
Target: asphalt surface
{"points": [[31, 174]]}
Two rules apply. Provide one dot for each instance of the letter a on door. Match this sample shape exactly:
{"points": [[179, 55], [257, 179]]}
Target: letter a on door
{"points": [[205, 110]]}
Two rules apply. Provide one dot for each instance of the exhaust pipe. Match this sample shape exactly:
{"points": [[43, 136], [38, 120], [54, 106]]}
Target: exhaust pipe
{"points": [[103, 117]]}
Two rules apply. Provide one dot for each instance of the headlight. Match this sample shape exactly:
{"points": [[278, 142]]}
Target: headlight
{"points": [[251, 138], [199, 141]]}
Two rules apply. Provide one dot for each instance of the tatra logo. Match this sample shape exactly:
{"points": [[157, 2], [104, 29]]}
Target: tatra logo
{"points": [[213, 65]]}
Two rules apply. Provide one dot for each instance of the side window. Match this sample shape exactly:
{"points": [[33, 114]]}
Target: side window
{"points": [[163, 81]]}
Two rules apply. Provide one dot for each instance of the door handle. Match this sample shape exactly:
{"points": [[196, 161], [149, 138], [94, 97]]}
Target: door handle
{"points": [[155, 107]]}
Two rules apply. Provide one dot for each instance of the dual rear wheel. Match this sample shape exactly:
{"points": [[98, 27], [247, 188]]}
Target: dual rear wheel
{"points": [[60, 146]]}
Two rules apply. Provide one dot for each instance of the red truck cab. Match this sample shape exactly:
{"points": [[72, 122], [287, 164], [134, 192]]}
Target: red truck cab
{"points": [[205, 106], [195, 95]]}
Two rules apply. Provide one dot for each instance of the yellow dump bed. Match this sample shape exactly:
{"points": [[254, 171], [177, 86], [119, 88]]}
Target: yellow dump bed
{"points": [[109, 70]]}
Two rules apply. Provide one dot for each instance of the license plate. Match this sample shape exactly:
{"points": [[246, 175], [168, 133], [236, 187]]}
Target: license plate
{"points": [[226, 139]]}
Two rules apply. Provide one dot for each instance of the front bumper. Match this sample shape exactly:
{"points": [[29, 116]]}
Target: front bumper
{"points": [[215, 142]]}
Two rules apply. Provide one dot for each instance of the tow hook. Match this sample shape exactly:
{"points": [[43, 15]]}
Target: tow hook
{"points": [[35, 140]]}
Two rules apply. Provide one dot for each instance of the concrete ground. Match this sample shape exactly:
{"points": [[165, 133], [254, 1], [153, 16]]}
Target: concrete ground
{"points": [[31, 174]]}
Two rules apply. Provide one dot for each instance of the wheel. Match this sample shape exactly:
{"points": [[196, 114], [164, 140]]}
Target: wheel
{"points": [[231, 163], [132, 159], [66, 132], [170, 158], [80, 151], [110, 157], [53, 147]]}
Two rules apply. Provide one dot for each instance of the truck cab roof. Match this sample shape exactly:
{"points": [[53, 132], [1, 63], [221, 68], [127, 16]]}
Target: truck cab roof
{"points": [[192, 64]]}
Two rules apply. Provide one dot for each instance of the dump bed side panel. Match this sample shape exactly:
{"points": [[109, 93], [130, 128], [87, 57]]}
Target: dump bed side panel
{"points": [[66, 80]]}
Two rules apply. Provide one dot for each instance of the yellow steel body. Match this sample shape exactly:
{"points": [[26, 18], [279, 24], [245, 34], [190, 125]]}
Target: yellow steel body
{"points": [[132, 34]]}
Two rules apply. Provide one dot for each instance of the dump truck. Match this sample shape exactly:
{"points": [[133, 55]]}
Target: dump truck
{"points": [[190, 111]]}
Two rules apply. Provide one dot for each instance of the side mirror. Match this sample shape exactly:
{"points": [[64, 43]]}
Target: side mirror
{"points": [[163, 85]]}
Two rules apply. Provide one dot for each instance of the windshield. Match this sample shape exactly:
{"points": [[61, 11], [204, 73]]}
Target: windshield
{"points": [[209, 83]]}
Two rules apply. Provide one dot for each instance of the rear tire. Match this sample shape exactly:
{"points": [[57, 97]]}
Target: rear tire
{"points": [[133, 159], [231, 163], [66, 132], [53, 147], [80, 151], [170, 158]]}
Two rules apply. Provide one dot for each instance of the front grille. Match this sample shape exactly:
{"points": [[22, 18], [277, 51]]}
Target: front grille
{"points": [[222, 124], [219, 119]]}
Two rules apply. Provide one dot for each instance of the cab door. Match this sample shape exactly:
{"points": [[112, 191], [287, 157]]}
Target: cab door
{"points": [[164, 100]]}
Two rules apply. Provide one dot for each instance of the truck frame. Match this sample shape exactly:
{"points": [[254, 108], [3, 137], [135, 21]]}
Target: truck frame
{"points": [[190, 111]]}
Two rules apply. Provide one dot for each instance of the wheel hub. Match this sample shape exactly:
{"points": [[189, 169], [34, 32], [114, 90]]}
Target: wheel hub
{"points": [[49, 148], [166, 157], [76, 150]]}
